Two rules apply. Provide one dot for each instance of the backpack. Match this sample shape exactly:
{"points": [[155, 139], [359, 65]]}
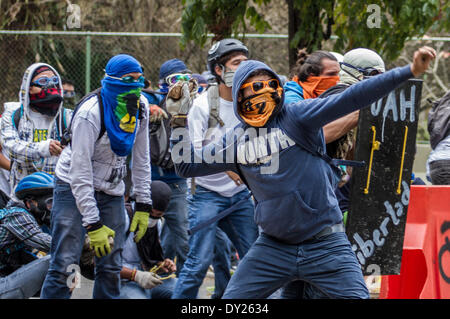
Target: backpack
{"points": [[61, 124], [159, 132], [67, 135], [439, 120]]}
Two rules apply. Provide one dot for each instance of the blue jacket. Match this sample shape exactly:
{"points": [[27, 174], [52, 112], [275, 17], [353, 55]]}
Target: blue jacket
{"points": [[293, 92], [295, 200]]}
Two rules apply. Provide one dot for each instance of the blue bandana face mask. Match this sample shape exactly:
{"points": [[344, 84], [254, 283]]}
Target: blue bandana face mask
{"points": [[121, 110]]}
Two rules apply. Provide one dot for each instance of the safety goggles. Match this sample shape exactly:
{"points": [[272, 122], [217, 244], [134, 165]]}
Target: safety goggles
{"points": [[257, 86], [45, 81], [129, 79], [69, 94], [174, 78], [365, 71]]}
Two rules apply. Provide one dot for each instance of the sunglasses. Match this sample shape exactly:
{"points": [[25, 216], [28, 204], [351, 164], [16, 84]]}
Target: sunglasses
{"points": [[366, 71], [129, 79], [257, 86], [45, 81], [174, 78]]}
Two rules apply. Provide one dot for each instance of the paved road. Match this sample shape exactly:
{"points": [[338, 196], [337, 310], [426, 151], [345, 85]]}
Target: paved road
{"points": [[86, 286]]}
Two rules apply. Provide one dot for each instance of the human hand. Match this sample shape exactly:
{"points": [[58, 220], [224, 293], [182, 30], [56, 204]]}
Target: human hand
{"points": [[421, 60], [147, 279], [101, 240], [168, 266], [55, 148], [157, 114], [235, 177], [178, 103], [139, 219]]}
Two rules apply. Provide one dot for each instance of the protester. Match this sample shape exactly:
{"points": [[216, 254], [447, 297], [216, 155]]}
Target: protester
{"points": [[138, 282], [340, 135], [31, 131], [438, 172], [174, 235], [302, 232], [202, 82], [314, 74], [24, 237], [209, 118], [89, 188], [69, 93]]}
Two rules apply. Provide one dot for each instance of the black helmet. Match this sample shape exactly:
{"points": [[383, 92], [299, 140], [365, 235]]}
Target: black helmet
{"points": [[221, 48]]}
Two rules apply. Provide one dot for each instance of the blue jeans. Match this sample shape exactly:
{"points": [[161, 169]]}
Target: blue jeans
{"points": [[26, 281], [327, 263], [67, 242], [239, 227], [174, 235], [131, 290]]}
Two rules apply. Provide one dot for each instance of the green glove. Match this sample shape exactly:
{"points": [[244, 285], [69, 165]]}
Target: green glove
{"points": [[99, 240], [141, 219]]}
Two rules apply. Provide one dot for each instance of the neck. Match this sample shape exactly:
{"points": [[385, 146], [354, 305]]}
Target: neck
{"points": [[225, 92]]}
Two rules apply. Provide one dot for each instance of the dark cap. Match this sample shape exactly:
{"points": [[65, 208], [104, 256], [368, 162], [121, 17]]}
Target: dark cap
{"points": [[161, 194], [172, 66]]}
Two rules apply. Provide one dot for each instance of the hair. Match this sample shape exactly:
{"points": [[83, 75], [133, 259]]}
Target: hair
{"points": [[223, 60], [67, 81], [310, 64]]}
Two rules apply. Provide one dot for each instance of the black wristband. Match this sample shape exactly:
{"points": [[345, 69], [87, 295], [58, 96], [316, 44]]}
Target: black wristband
{"points": [[94, 226], [141, 207]]}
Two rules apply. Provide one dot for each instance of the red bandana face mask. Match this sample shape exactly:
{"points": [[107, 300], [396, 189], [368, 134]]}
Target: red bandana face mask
{"points": [[47, 101]]}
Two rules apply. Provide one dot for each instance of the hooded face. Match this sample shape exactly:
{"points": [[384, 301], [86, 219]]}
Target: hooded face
{"points": [[41, 89], [258, 98], [257, 93]]}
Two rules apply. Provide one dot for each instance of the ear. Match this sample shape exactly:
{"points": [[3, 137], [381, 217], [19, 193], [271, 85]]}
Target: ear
{"points": [[218, 70]]}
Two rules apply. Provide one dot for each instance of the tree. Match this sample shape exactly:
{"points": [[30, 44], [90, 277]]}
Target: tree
{"points": [[382, 25]]}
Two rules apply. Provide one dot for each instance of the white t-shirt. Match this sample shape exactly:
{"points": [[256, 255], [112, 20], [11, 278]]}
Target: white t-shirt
{"points": [[41, 131], [200, 135]]}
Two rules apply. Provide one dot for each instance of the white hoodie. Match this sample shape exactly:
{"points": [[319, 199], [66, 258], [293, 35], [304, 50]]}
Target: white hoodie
{"points": [[29, 152]]}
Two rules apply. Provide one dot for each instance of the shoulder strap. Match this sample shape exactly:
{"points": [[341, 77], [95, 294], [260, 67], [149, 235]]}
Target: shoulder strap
{"points": [[214, 106], [102, 115], [67, 136], [17, 115]]}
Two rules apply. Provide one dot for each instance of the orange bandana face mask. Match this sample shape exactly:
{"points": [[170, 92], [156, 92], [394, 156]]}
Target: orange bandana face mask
{"points": [[257, 109], [316, 85]]}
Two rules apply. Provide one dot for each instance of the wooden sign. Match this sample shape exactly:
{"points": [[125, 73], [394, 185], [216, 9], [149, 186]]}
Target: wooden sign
{"points": [[379, 195]]}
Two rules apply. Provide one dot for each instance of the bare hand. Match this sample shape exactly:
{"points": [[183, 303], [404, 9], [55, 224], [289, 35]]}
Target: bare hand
{"points": [[421, 60], [55, 148], [235, 177], [168, 266]]}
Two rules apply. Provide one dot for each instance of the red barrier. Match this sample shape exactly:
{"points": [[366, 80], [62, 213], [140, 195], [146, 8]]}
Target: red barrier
{"points": [[425, 269]]}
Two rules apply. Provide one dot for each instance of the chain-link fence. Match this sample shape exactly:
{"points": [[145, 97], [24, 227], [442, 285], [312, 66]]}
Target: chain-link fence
{"points": [[82, 56]]}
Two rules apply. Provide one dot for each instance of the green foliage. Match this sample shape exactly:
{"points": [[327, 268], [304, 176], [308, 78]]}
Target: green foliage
{"points": [[399, 20], [220, 17], [316, 20]]}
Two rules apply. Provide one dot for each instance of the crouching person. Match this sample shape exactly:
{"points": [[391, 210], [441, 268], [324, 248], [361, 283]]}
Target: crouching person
{"points": [[24, 237]]}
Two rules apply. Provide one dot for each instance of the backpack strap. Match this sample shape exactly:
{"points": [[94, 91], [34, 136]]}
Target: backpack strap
{"points": [[214, 106], [67, 135], [17, 115], [102, 114]]}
